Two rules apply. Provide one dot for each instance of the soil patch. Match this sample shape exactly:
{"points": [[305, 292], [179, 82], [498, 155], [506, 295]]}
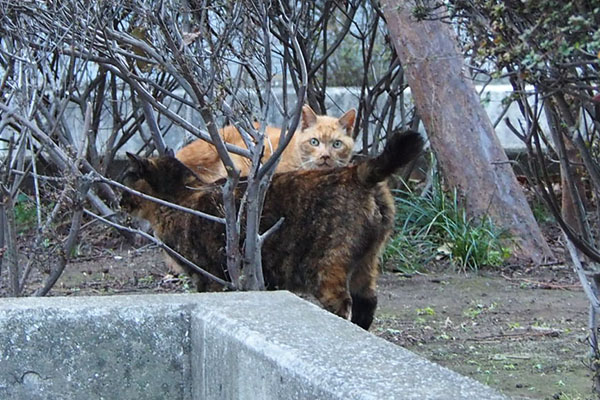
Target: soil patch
{"points": [[521, 335]]}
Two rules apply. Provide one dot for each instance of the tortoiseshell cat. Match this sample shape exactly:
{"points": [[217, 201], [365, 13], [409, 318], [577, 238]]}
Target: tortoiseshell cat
{"points": [[336, 222], [322, 142]]}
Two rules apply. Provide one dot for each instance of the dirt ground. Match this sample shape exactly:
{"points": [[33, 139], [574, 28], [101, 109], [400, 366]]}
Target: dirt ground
{"points": [[522, 334], [520, 330]]}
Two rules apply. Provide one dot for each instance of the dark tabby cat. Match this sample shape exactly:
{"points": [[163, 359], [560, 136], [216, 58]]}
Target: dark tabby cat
{"points": [[336, 224]]}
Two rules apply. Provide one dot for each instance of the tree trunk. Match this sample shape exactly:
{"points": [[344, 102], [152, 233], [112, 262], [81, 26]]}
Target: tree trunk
{"points": [[460, 132]]}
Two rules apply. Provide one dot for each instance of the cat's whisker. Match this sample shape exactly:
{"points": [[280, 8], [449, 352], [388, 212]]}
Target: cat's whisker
{"points": [[306, 164]]}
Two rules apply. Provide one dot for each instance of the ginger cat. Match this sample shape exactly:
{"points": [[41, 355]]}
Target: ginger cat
{"points": [[336, 222], [322, 142]]}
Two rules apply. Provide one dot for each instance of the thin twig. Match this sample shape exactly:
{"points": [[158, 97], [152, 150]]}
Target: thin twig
{"points": [[162, 245], [580, 271], [270, 231], [544, 285], [145, 196]]}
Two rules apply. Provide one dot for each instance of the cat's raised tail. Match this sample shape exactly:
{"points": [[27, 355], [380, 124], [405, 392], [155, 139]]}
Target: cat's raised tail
{"points": [[400, 149]]}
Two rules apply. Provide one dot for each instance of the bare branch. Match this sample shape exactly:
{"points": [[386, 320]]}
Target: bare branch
{"points": [[159, 201], [162, 245]]}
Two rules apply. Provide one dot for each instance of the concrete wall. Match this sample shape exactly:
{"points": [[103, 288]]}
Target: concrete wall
{"points": [[339, 100], [266, 345]]}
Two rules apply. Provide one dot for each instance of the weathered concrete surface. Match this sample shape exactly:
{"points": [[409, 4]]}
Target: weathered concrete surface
{"points": [[94, 348], [267, 345]]}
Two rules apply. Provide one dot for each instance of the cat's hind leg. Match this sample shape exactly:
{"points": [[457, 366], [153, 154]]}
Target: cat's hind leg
{"points": [[332, 289], [363, 310], [363, 284]]}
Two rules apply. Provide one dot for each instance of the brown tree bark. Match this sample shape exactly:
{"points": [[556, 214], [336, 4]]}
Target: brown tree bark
{"points": [[460, 132]]}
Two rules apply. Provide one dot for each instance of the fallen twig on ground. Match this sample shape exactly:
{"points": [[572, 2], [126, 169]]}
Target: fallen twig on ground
{"points": [[529, 332], [546, 285]]}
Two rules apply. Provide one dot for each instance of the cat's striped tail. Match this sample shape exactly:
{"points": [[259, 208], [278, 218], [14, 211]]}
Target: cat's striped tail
{"points": [[400, 149]]}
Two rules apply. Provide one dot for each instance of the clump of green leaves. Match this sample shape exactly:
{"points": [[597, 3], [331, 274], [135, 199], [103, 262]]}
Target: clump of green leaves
{"points": [[541, 212], [436, 225], [542, 40], [25, 213]]}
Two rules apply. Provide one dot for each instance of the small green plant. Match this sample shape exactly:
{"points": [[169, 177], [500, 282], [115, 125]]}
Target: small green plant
{"points": [[186, 284], [473, 312], [25, 213], [540, 324], [436, 225], [514, 325], [541, 213], [146, 280], [425, 311]]}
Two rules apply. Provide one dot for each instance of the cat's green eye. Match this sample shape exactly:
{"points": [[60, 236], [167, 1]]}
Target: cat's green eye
{"points": [[314, 141], [337, 144]]}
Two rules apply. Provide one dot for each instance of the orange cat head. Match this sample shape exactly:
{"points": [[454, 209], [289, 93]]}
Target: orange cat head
{"points": [[324, 141]]}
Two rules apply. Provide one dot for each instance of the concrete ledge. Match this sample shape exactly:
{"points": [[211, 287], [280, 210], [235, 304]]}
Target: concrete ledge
{"points": [[265, 345]]}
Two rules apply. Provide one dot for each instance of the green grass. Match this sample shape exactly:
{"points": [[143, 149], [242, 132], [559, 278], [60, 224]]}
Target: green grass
{"points": [[437, 226]]}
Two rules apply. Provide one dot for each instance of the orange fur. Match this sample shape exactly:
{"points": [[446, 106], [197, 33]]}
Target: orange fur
{"points": [[321, 142]]}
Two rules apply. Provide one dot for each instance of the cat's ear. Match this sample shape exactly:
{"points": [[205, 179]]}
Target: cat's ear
{"points": [[137, 163], [309, 118], [346, 121]]}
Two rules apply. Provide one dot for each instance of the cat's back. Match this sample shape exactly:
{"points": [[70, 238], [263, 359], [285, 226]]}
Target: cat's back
{"points": [[332, 195], [203, 158], [189, 152], [328, 216]]}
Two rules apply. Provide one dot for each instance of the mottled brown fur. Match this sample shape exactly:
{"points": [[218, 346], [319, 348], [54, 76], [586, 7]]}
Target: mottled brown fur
{"points": [[336, 222], [321, 142]]}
